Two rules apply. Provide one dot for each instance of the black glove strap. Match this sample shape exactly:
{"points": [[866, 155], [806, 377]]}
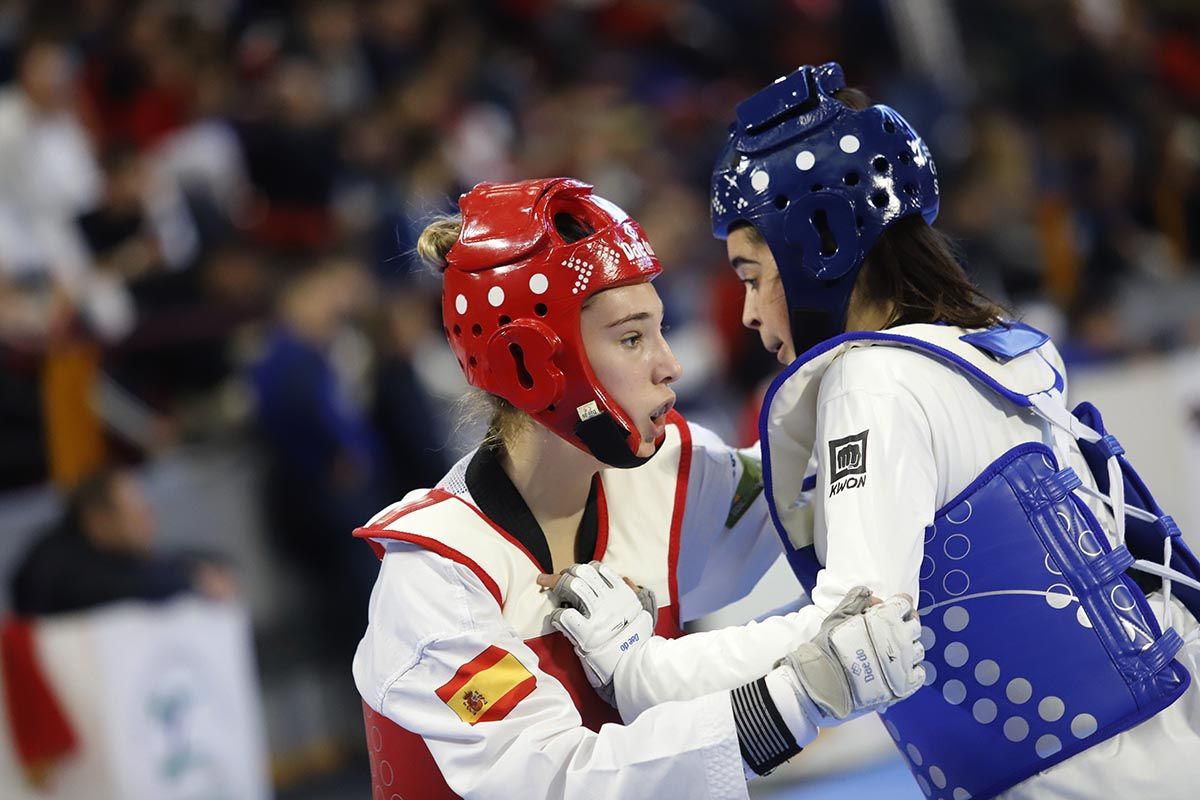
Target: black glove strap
{"points": [[763, 736]]}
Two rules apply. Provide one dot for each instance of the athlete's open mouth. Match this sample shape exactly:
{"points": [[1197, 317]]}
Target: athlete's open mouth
{"points": [[662, 410]]}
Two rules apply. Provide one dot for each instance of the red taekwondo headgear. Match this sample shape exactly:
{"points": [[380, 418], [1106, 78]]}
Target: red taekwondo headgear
{"points": [[512, 295]]}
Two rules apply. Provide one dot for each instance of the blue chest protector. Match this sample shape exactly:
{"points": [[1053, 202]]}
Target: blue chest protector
{"points": [[1038, 644]]}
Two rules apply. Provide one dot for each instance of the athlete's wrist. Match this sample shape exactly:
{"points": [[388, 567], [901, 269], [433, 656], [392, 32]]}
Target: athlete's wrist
{"points": [[798, 710]]}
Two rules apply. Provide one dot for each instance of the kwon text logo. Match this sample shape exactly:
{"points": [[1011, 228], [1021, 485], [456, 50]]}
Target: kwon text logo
{"points": [[847, 463]]}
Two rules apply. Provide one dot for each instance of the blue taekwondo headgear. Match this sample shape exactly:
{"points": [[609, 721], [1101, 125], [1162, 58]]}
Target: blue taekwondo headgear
{"points": [[820, 181]]}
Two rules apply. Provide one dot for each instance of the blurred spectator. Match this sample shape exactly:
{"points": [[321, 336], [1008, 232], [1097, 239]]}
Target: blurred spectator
{"points": [[102, 551], [324, 474], [48, 176], [414, 443], [331, 35], [140, 226], [138, 84], [292, 155]]}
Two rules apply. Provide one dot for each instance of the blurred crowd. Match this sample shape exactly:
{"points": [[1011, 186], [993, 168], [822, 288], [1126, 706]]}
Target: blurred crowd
{"points": [[208, 207]]}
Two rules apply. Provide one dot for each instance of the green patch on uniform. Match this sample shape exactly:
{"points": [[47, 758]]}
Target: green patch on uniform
{"points": [[748, 489]]}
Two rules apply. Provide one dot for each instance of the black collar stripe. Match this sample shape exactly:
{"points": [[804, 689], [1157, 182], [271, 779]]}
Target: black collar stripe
{"points": [[500, 502]]}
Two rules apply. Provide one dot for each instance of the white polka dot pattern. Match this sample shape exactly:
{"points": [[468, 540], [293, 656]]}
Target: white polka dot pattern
{"points": [[987, 672], [1083, 726], [1016, 729], [954, 691], [1018, 691], [956, 654]]}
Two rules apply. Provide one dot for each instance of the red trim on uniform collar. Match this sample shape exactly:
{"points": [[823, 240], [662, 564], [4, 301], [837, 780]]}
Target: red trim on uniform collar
{"points": [[681, 488], [601, 519]]}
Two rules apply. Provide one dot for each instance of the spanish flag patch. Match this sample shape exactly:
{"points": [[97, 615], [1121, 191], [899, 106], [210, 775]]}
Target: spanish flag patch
{"points": [[487, 687]]}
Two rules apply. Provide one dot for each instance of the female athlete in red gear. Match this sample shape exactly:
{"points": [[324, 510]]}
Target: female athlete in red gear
{"points": [[468, 688]]}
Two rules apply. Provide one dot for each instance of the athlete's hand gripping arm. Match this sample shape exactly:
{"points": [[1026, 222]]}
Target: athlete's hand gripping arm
{"points": [[603, 615], [865, 655]]}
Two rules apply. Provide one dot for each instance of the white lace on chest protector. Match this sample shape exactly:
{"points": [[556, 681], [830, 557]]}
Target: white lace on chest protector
{"points": [[1066, 427]]}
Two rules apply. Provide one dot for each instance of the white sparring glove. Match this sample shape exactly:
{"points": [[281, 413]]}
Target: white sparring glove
{"points": [[864, 658], [604, 619]]}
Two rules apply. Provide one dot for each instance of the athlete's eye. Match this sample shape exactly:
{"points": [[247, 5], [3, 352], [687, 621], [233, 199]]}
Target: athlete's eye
{"points": [[750, 283], [664, 328], [631, 341]]}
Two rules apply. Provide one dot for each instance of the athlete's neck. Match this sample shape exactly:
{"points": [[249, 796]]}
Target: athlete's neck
{"points": [[554, 478]]}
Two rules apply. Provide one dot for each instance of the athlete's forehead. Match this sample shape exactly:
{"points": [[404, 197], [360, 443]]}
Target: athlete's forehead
{"points": [[612, 308], [747, 252]]}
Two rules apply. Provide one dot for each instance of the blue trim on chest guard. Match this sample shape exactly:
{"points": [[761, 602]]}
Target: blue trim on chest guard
{"points": [[1038, 646]]}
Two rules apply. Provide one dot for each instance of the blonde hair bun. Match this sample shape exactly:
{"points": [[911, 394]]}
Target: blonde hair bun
{"points": [[437, 239]]}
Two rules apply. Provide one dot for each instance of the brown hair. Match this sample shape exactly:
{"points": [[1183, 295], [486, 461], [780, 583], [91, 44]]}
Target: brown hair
{"points": [[913, 267]]}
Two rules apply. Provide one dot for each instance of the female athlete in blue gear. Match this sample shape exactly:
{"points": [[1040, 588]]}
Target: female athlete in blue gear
{"points": [[919, 441]]}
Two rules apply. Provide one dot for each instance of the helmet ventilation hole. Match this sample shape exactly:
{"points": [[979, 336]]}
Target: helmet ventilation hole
{"points": [[523, 376], [880, 164], [879, 199], [504, 320], [781, 201], [476, 329], [820, 221], [571, 228], [851, 179], [540, 309], [889, 126]]}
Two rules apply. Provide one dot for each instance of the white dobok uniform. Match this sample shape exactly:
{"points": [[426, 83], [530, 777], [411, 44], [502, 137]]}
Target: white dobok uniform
{"points": [[469, 692]]}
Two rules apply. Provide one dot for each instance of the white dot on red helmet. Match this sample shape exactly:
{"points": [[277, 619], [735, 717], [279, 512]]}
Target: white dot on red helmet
{"points": [[495, 296], [460, 304], [538, 283]]}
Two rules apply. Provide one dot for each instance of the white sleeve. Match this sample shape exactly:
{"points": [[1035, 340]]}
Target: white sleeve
{"points": [[876, 485], [430, 616], [728, 541], [874, 521], [665, 670]]}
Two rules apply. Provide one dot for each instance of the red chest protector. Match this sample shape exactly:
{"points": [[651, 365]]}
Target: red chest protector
{"points": [[638, 537]]}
